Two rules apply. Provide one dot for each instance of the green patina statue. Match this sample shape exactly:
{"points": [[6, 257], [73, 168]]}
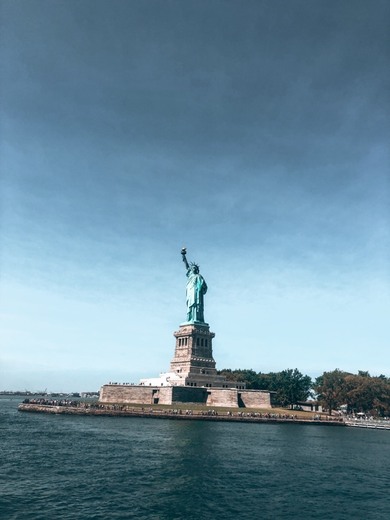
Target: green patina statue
{"points": [[195, 289]]}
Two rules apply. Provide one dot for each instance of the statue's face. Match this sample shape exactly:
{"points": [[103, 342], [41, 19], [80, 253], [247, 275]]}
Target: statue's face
{"points": [[195, 270]]}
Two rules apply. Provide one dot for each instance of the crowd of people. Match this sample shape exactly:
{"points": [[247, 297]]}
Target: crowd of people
{"points": [[138, 410]]}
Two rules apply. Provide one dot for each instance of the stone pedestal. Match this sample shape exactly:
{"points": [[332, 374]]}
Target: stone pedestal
{"points": [[192, 378], [193, 362]]}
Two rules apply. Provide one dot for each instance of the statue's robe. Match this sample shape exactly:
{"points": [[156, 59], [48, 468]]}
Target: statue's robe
{"points": [[195, 289]]}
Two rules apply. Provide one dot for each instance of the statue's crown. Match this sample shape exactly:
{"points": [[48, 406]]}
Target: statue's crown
{"points": [[193, 264]]}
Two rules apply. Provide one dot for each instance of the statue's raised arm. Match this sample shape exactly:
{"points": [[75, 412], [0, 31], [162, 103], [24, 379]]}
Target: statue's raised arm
{"points": [[184, 258], [195, 290]]}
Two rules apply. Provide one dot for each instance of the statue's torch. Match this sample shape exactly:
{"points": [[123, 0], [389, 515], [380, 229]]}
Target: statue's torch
{"points": [[183, 254]]}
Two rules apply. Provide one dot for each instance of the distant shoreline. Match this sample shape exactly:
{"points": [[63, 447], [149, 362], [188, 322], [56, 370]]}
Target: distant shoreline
{"points": [[178, 414]]}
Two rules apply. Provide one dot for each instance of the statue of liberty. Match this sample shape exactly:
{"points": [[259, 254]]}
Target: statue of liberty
{"points": [[195, 289]]}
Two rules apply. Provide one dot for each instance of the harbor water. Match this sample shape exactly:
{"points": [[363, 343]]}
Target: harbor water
{"points": [[79, 467]]}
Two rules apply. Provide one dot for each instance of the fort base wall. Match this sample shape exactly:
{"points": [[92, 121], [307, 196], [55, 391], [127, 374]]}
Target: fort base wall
{"points": [[254, 399], [227, 397], [126, 394], [170, 395]]}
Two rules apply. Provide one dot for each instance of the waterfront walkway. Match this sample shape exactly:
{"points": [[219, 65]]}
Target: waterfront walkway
{"points": [[81, 408], [368, 423]]}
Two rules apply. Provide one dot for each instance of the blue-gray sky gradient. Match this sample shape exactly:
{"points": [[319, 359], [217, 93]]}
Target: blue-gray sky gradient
{"points": [[255, 133]]}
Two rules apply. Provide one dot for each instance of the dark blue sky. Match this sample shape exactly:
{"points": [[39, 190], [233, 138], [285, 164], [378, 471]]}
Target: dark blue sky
{"points": [[255, 133]]}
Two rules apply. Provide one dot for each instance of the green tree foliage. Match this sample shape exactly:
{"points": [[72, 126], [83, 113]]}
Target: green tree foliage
{"points": [[290, 386], [368, 394], [253, 380], [360, 392], [331, 389]]}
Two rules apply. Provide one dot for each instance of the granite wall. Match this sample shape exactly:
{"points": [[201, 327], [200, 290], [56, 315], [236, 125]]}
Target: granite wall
{"points": [[126, 394], [222, 397], [149, 395], [254, 399]]}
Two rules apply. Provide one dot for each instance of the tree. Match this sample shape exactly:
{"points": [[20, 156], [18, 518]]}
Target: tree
{"points": [[360, 392], [291, 387], [331, 389], [253, 380], [368, 394], [381, 402]]}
